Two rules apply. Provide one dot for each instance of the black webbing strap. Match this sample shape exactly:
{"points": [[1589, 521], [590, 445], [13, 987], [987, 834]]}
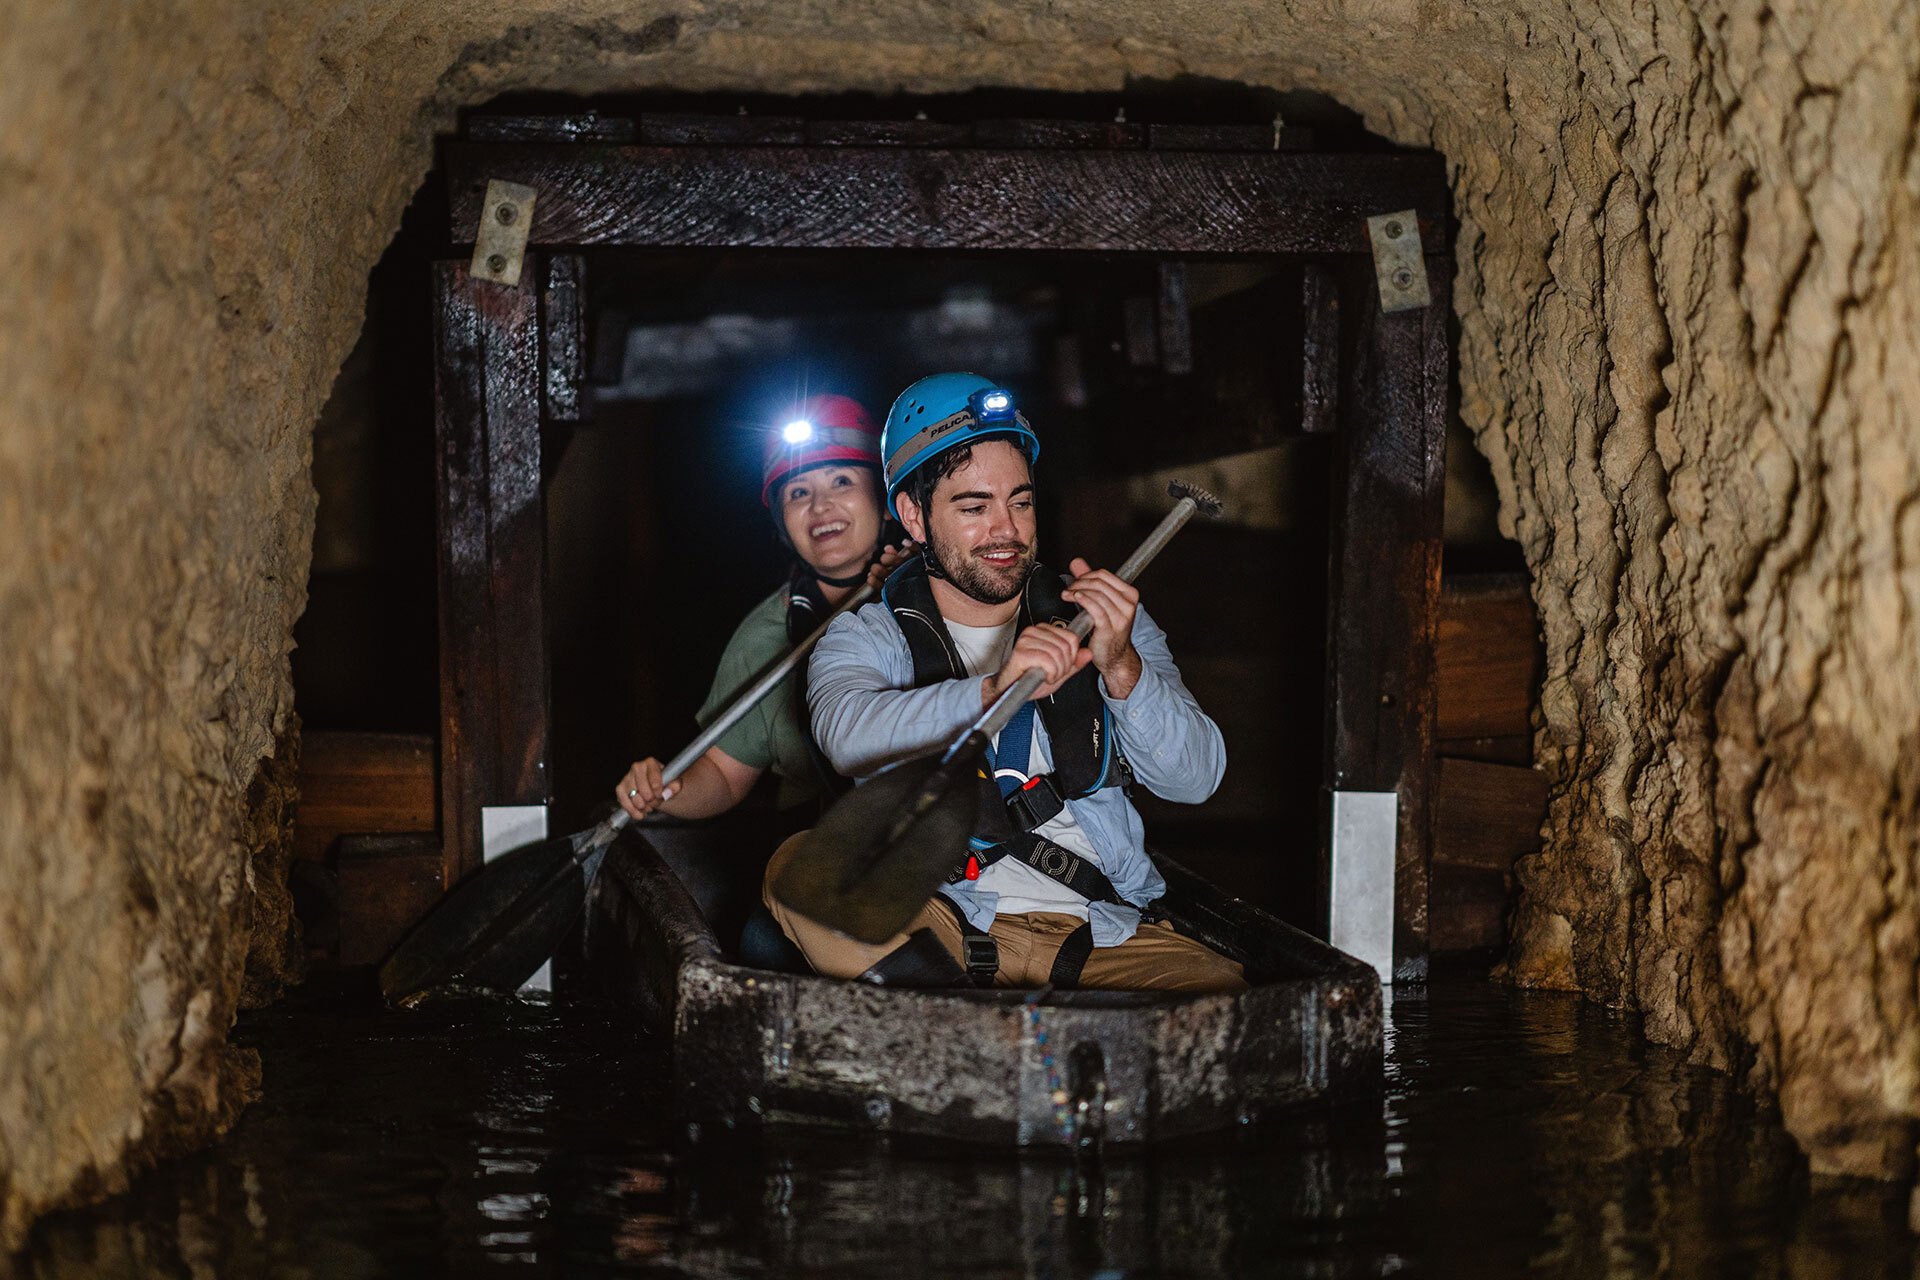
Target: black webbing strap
{"points": [[1065, 867], [1072, 958], [978, 951]]}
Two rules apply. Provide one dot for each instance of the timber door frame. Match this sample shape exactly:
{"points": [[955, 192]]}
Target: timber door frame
{"points": [[509, 359]]}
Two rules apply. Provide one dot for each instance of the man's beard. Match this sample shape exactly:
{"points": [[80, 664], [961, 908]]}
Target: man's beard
{"points": [[978, 579]]}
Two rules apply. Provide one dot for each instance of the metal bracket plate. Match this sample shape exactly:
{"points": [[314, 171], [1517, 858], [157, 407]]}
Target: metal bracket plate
{"points": [[500, 243], [1397, 261]]}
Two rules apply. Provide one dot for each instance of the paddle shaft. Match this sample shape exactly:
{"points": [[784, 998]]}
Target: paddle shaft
{"points": [[744, 702], [995, 718]]}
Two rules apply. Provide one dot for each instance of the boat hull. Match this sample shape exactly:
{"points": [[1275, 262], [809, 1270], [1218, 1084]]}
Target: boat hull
{"points": [[756, 1047]]}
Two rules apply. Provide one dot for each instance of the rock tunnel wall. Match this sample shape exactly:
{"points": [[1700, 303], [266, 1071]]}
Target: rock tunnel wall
{"points": [[1688, 294]]}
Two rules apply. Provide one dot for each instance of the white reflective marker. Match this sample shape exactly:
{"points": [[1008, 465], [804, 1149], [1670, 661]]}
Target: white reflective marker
{"points": [[1366, 827], [504, 828]]}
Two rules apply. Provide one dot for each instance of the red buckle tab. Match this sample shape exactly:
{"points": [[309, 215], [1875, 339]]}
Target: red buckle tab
{"points": [[973, 867], [1032, 782]]}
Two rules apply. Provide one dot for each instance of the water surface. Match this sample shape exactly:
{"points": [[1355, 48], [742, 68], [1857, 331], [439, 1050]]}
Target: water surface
{"points": [[1520, 1134]]}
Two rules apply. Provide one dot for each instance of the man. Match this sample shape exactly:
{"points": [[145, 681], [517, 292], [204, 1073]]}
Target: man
{"points": [[1058, 887]]}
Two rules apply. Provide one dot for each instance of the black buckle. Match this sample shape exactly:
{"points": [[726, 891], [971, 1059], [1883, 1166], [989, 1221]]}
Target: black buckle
{"points": [[1037, 803], [981, 954]]}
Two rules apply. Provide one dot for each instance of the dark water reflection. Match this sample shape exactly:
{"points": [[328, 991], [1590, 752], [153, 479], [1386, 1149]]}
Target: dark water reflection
{"points": [[1521, 1134]]}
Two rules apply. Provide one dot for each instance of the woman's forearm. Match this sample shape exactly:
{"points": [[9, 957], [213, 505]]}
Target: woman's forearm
{"points": [[712, 785]]}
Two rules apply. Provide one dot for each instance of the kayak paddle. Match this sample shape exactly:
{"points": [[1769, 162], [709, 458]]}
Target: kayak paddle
{"points": [[501, 923], [884, 847]]}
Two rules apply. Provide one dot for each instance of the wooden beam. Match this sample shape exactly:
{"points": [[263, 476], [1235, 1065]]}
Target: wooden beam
{"points": [[903, 198], [1320, 348], [493, 658], [1059, 135], [887, 133], [563, 339], [1384, 578], [670, 128], [1228, 137], [588, 126]]}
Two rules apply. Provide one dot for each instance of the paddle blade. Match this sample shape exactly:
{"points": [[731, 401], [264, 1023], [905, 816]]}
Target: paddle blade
{"points": [[496, 927], [884, 847]]}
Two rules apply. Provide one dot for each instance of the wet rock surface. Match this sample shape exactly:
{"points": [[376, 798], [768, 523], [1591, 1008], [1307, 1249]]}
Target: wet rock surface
{"points": [[1687, 290], [1521, 1133]]}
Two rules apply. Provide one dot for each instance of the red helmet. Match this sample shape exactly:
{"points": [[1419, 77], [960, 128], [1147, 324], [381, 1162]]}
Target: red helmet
{"points": [[823, 429]]}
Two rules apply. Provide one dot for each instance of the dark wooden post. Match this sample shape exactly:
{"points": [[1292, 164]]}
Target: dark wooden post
{"points": [[1384, 580], [493, 651]]}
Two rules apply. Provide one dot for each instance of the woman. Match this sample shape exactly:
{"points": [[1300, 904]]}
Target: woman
{"points": [[820, 478]]}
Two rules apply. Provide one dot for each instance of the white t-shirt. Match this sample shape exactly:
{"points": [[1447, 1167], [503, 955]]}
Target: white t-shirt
{"points": [[1020, 887]]}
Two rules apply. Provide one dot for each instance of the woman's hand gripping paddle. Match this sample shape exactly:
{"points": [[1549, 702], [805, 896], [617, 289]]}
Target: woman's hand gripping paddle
{"points": [[501, 924], [885, 846]]}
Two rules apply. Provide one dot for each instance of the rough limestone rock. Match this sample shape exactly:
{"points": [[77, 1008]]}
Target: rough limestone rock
{"points": [[1688, 294]]}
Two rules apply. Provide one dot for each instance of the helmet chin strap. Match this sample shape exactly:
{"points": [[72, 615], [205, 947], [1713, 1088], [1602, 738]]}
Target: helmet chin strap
{"points": [[854, 581]]}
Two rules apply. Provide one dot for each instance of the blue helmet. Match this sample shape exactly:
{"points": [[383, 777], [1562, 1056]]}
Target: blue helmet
{"points": [[941, 411]]}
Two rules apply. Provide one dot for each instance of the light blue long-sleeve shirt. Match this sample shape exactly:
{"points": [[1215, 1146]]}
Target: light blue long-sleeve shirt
{"points": [[867, 717]]}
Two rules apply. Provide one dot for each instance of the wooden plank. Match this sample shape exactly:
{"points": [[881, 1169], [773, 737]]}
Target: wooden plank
{"points": [[904, 198], [1469, 908], [1507, 749], [588, 126], [1059, 135], [1489, 657], [563, 339], [678, 129], [887, 133], [361, 782], [1228, 137], [1487, 815], [493, 666], [1320, 349], [1384, 582], [387, 884]]}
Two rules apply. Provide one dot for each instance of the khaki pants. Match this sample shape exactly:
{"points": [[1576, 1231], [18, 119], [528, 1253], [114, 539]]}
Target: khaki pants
{"points": [[1156, 958]]}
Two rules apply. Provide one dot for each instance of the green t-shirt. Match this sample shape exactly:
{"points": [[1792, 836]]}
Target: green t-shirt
{"points": [[773, 734]]}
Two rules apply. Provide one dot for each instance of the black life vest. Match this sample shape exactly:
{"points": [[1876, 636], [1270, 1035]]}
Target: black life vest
{"points": [[1079, 728], [806, 608]]}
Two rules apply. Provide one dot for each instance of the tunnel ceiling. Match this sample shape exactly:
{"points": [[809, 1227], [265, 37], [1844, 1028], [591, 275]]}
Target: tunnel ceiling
{"points": [[1688, 300]]}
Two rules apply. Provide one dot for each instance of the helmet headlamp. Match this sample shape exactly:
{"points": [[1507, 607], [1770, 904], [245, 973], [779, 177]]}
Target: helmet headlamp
{"points": [[991, 404], [799, 431]]}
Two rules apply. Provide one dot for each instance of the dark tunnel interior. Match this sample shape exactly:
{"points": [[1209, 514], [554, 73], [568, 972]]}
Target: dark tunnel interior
{"points": [[658, 543]]}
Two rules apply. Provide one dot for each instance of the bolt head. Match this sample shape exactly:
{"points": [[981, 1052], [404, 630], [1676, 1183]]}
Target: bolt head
{"points": [[505, 213], [496, 262], [1403, 278], [1393, 229]]}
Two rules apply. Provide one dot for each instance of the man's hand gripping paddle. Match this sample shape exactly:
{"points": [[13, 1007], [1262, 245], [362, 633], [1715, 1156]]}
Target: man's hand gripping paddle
{"points": [[882, 850], [499, 925]]}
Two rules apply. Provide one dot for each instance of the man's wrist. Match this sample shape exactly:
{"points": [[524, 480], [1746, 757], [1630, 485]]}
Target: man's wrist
{"points": [[1123, 675]]}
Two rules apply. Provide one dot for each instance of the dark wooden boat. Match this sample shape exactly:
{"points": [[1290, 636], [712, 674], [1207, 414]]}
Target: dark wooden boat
{"points": [[754, 1046]]}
